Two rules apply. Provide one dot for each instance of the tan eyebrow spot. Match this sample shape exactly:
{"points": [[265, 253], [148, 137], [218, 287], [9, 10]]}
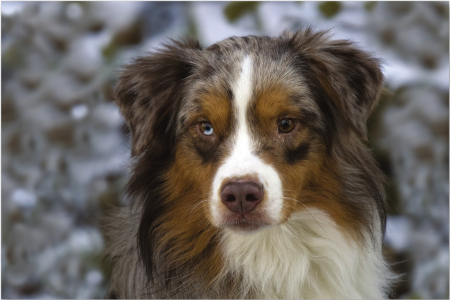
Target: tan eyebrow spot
{"points": [[215, 106]]}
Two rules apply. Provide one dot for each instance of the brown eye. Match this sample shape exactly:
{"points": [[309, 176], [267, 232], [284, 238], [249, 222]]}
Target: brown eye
{"points": [[286, 125], [206, 128]]}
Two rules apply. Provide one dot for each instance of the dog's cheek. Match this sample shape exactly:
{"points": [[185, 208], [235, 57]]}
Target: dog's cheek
{"points": [[188, 180], [298, 165], [207, 151], [203, 150]]}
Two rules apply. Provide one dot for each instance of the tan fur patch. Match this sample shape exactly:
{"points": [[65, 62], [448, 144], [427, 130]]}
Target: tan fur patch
{"points": [[270, 104], [215, 107], [188, 222]]}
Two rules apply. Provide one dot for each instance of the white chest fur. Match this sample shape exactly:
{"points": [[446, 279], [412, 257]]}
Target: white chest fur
{"points": [[307, 257]]}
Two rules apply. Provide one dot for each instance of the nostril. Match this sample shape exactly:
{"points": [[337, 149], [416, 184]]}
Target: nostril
{"points": [[251, 197], [231, 198]]}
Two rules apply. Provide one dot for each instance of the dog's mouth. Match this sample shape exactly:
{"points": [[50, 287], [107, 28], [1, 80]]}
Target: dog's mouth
{"points": [[247, 223], [247, 226]]}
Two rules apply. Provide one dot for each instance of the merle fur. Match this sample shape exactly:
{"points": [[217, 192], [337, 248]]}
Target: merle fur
{"points": [[150, 93]]}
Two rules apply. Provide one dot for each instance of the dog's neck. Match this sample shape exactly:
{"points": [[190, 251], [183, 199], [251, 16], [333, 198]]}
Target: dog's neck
{"points": [[307, 257]]}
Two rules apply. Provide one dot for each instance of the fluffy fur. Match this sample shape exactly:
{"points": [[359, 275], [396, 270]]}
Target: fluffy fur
{"points": [[318, 228]]}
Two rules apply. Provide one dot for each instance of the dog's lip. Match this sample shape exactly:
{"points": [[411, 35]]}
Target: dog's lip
{"points": [[245, 224], [242, 221]]}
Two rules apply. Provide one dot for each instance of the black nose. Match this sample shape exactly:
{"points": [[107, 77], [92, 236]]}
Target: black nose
{"points": [[242, 196]]}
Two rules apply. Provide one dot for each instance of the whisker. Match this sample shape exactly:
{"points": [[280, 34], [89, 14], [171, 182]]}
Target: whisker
{"points": [[192, 209], [306, 207], [286, 227]]}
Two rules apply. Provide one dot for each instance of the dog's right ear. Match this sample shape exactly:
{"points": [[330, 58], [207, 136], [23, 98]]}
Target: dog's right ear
{"points": [[150, 89]]}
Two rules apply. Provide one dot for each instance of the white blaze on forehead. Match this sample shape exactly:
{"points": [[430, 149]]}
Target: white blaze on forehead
{"points": [[242, 92], [242, 161]]}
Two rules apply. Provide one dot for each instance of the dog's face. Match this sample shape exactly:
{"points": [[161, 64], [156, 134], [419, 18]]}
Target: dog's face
{"points": [[256, 130], [250, 123]]}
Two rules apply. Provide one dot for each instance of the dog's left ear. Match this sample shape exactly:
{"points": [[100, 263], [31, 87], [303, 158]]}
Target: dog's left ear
{"points": [[150, 90], [351, 78]]}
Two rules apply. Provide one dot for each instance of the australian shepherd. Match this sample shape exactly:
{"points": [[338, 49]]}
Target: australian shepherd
{"points": [[250, 175]]}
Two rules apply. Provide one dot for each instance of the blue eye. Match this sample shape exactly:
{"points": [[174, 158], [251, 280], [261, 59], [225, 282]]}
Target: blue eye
{"points": [[206, 128]]}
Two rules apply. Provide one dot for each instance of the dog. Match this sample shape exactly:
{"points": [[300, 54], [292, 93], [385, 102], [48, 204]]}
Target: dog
{"points": [[250, 176]]}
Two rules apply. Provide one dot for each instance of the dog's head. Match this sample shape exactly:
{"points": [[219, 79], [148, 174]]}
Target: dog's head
{"points": [[250, 130]]}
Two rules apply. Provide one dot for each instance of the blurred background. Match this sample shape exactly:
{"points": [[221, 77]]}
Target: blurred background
{"points": [[65, 146]]}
